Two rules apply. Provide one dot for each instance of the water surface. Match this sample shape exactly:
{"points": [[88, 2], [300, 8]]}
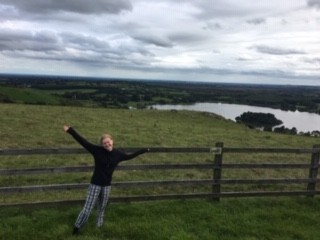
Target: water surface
{"points": [[302, 121]]}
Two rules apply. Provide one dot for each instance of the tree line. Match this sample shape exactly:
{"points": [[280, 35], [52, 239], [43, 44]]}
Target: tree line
{"points": [[268, 122]]}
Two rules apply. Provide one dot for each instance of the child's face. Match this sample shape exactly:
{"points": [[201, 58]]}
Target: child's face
{"points": [[107, 143]]}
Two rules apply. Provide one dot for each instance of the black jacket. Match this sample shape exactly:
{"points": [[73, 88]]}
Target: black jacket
{"points": [[105, 161]]}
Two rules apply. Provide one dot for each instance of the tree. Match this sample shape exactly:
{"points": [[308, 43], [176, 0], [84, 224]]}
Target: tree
{"points": [[258, 120], [285, 130]]}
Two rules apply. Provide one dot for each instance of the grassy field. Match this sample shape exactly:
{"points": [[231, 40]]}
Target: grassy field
{"points": [[231, 219], [31, 126], [41, 126], [30, 96]]}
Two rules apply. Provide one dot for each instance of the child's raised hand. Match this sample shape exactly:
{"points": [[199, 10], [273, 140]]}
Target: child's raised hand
{"points": [[66, 128]]}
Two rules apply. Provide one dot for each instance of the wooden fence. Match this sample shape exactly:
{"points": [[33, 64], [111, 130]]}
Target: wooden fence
{"points": [[216, 165]]}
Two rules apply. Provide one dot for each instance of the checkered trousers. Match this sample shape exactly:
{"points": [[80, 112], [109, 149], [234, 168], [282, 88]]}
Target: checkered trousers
{"points": [[95, 193]]}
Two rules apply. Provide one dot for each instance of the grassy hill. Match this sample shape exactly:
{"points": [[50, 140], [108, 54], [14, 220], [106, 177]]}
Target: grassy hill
{"points": [[27, 95], [41, 126], [32, 126]]}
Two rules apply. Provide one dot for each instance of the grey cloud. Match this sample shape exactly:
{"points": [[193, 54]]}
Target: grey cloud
{"points": [[101, 52], [256, 21], [276, 51], [314, 3], [187, 37], [261, 73], [85, 43], [216, 9], [241, 59], [85, 59], [277, 74], [22, 40], [312, 60], [27, 41], [8, 12], [64, 56], [76, 6], [69, 47], [213, 26], [222, 9], [165, 39], [150, 38]]}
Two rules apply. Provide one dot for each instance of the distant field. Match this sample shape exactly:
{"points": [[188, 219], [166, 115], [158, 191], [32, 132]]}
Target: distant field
{"points": [[27, 96], [121, 93]]}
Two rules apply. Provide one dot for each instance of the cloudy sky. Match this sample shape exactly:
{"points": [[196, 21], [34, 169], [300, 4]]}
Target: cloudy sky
{"points": [[249, 41]]}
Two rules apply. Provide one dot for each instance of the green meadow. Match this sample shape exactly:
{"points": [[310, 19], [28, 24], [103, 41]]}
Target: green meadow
{"points": [[39, 126]]}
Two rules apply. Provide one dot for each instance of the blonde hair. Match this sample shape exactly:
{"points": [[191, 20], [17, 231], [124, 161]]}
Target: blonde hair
{"points": [[104, 136]]}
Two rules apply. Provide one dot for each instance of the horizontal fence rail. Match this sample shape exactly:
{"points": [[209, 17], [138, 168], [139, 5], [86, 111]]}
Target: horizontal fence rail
{"points": [[26, 151], [216, 166], [35, 151], [30, 171], [271, 150], [72, 186], [168, 197]]}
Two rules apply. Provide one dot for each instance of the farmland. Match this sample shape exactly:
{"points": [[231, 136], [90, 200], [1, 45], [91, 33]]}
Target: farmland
{"points": [[124, 93]]}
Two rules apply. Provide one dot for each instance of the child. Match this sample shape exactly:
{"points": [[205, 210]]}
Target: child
{"points": [[106, 159]]}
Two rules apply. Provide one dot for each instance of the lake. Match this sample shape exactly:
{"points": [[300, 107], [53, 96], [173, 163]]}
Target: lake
{"points": [[302, 121]]}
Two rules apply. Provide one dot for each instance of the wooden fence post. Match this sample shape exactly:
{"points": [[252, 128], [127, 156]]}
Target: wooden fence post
{"points": [[217, 169], [313, 172]]}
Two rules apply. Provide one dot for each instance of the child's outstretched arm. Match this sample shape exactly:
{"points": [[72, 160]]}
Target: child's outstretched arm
{"points": [[82, 141]]}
